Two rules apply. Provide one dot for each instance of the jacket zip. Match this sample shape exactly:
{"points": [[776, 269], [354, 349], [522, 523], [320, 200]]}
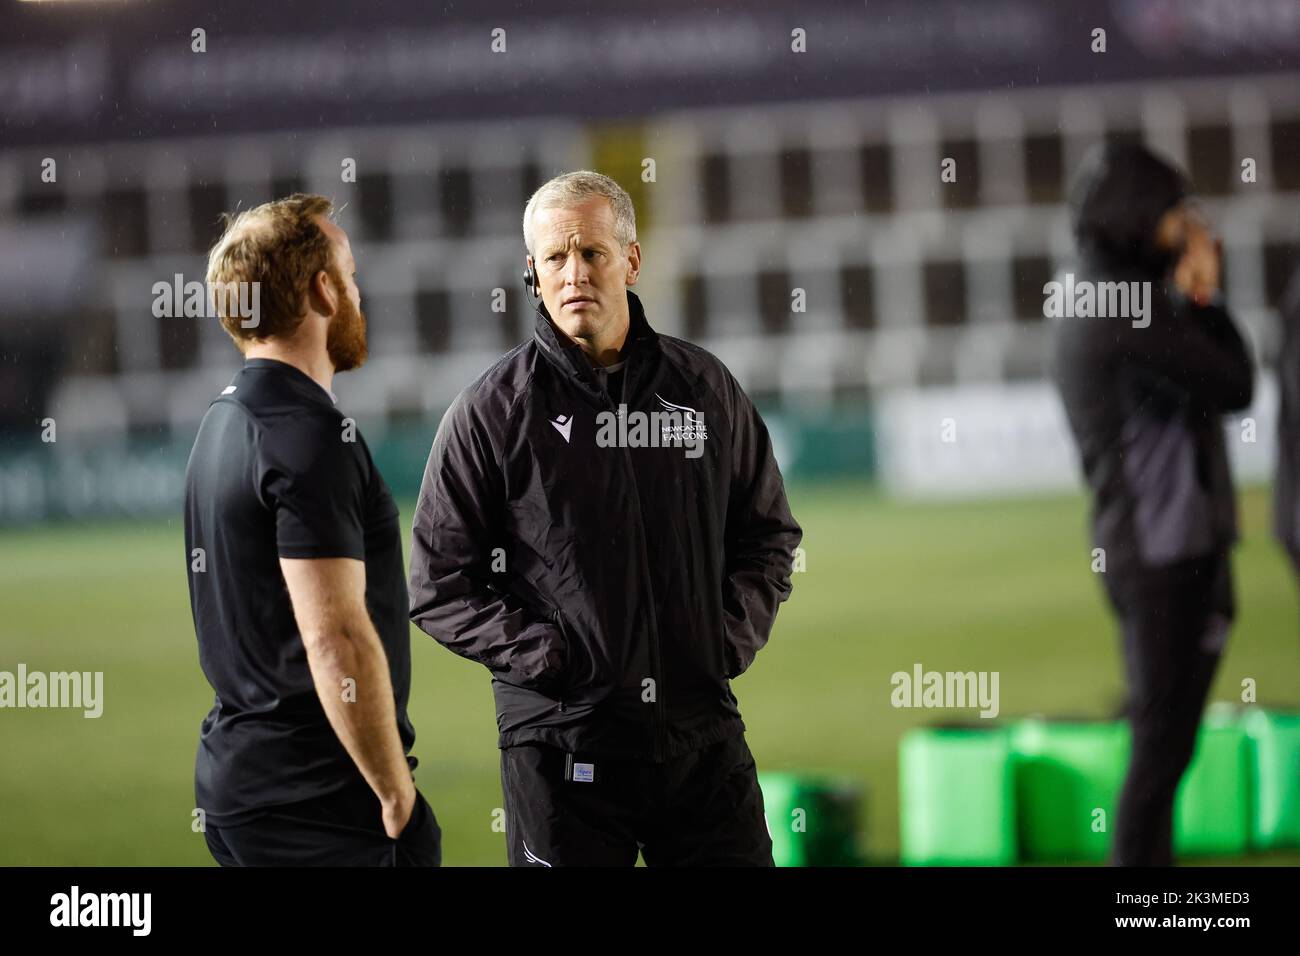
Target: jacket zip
{"points": [[559, 626], [656, 664]]}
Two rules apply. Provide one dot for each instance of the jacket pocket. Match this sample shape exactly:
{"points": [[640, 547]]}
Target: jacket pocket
{"points": [[565, 679], [575, 682]]}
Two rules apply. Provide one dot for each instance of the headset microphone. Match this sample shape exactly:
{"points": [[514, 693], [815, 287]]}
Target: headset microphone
{"points": [[531, 281], [534, 288]]}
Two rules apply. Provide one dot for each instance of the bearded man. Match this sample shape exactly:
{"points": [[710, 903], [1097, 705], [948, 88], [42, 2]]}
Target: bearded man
{"points": [[294, 553]]}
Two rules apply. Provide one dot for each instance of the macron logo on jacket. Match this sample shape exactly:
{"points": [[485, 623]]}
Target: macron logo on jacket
{"points": [[564, 425]]}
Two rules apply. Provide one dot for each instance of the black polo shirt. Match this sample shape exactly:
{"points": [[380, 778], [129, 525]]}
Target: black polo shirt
{"points": [[277, 471]]}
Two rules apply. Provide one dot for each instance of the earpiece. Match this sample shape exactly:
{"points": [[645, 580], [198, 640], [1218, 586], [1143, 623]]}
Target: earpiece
{"points": [[534, 286], [532, 282]]}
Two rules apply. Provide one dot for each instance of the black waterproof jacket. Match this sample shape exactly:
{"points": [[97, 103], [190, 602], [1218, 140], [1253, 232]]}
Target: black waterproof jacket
{"points": [[613, 576], [1145, 404], [1286, 484]]}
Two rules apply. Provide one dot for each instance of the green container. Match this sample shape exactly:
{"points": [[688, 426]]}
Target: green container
{"points": [[1274, 745], [1212, 808], [956, 798], [1068, 777], [813, 820]]}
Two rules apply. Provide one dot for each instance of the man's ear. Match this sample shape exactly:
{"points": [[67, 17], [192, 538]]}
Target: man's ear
{"points": [[633, 263], [321, 293]]}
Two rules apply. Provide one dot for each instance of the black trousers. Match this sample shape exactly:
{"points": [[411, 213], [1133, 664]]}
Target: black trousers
{"points": [[339, 829], [703, 808], [1174, 621]]}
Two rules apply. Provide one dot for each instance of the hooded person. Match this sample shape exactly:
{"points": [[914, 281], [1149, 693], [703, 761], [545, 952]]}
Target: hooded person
{"points": [[1144, 393], [1286, 484]]}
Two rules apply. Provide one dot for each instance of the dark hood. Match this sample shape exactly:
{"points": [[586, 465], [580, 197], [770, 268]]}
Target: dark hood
{"points": [[1116, 200]]}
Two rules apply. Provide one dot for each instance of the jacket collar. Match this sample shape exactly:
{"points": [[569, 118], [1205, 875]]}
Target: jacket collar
{"points": [[569, 358]]}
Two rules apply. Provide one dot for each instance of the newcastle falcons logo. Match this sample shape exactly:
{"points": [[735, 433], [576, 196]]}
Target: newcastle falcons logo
{"points": [[674, 426]]}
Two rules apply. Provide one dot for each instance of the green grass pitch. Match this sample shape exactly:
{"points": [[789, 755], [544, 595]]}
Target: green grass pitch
{"points": [[990, 585]]}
